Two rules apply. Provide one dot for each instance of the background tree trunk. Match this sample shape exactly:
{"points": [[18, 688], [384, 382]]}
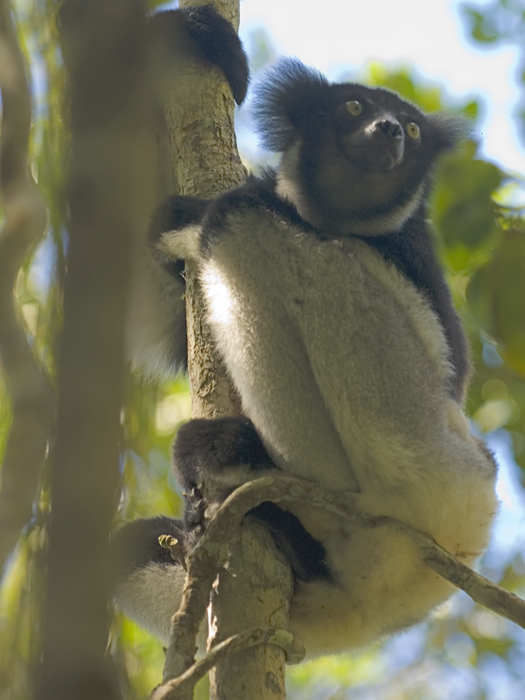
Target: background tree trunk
{"points": [[110, 199]]}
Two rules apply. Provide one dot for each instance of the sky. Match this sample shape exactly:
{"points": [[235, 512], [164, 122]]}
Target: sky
{"points": [[427, 35]]}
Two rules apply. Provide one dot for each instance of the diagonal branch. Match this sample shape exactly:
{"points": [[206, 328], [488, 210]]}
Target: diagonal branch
{"points": [[211, 553], [184, 684]]}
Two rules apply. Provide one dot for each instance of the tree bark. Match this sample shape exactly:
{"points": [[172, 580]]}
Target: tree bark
{"points": [[255, 587]]}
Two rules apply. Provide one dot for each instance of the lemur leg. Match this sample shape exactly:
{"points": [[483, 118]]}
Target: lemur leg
{"points": [[229, 452]]}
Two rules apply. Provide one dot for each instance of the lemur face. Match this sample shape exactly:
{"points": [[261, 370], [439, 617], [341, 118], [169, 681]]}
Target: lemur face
{"points": [[355, 159]]}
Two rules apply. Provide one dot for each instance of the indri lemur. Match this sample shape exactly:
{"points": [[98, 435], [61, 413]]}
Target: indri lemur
{"points": [[331, 313]]}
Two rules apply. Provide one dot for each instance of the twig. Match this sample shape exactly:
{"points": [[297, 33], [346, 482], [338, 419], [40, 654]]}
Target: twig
{"points": [[478, 587], [212, 550], [293, 649]]}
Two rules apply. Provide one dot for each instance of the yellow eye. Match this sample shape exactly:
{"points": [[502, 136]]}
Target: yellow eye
{"points": [[354, 108], [413, 130]]}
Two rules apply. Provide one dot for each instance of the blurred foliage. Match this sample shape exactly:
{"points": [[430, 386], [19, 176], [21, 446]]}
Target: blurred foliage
{"points": [[430, 98], [495, 23], [481, 241], [496, 291]]}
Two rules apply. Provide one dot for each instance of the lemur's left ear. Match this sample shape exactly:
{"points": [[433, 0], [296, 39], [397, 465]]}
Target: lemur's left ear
{"points": [[448, 129], [288, 94]]}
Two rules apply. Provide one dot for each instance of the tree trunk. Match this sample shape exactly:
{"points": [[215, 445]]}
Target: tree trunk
{"points": [[255, 588]]}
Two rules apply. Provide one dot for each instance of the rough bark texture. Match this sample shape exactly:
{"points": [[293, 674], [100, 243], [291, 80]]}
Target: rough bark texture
{"points": [[254, 589], [199, 115]]}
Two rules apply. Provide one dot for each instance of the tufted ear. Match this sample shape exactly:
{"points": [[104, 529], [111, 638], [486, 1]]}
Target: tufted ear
{"points": [[288, 95], [448, 129]]}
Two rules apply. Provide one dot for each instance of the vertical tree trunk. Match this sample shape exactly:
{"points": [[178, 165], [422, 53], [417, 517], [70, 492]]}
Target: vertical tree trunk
{"points": [[255, 588], [110, 200]]}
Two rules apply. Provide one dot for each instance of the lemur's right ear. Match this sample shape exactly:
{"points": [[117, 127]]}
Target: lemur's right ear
{"points": [[288, 94], [211, 36]]}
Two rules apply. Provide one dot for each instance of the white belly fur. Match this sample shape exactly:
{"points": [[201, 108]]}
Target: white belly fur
{"points": [[342, 367]]}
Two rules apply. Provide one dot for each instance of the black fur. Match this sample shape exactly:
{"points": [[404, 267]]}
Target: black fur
{"points": [[363, 174], [255, 193], [306, 555], [174, 213], [344, 165], [411, 251], [294, 98], [205, 448], [203, 30], [298, 106]]}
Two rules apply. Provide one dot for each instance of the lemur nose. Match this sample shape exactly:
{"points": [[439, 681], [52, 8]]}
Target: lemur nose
{"points": [[390, 127]]}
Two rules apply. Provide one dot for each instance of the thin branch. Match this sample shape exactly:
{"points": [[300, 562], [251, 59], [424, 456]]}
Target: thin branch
{"points": [[27, 384], [211, 553], [478, 587], [184, 684]]}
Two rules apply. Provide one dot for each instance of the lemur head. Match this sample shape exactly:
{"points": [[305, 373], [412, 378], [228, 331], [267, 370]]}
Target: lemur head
{"points": [[355, 159]]}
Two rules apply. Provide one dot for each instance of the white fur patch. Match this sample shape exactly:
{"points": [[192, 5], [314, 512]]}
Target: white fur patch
{"points": [[151, 596], [183, 244], [343, 366], [219, 298]]}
